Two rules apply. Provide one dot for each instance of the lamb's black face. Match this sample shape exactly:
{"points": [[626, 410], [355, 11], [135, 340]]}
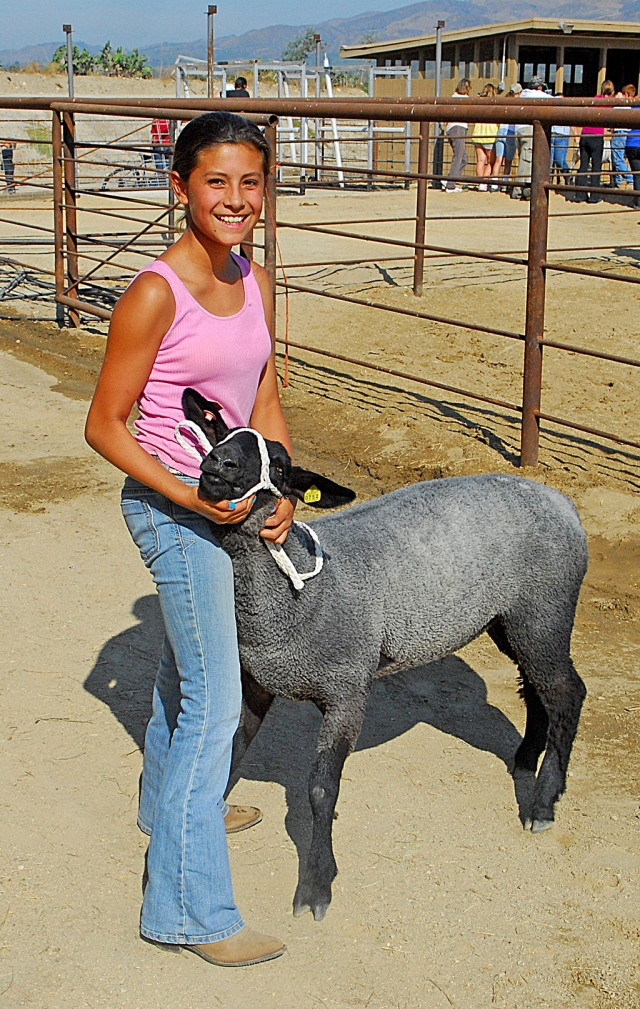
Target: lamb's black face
{"points": [[232, 468]]}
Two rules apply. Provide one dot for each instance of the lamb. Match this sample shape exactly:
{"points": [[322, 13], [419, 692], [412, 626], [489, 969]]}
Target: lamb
{"points": [[408, 578]]}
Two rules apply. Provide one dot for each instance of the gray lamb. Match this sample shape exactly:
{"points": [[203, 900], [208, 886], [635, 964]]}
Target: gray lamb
{"points": [[408, 578]]}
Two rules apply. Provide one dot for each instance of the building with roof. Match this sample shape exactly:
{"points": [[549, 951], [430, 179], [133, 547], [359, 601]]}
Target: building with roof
{"points": [[574, 57]]}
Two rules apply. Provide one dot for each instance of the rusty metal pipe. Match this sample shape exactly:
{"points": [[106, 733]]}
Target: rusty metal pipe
{"points": [[71, 219], [491, 256], [82, 306], [132, 108], [413, 313], [58, 212], [421, 210], [535, 305]]}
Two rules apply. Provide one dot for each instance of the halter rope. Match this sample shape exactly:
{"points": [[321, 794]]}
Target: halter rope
{"points": [[279, 555]]}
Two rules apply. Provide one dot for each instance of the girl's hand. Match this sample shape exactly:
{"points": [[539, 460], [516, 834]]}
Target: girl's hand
{"points": [[276, 528], [222, 513]]}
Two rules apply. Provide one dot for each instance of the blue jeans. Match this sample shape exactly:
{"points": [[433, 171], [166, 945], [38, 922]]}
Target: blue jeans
{"points": [[196, 708], [618, 144], [559, 148]]}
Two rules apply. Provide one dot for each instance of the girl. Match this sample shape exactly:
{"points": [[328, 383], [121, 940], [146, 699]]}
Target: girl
{"points": [[483, 137], [198, 316]]}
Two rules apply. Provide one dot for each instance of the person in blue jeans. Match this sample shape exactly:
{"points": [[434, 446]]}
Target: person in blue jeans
{"points": [[632, 154], [559, 147], [198, 317], [619, 143]]}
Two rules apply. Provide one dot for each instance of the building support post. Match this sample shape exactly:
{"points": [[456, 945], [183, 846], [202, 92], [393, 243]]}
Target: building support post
{"points": [[421, 209], [536, 279]]}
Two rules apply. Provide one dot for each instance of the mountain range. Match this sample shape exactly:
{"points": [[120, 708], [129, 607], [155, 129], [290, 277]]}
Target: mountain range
{"points": [[401, 22]]}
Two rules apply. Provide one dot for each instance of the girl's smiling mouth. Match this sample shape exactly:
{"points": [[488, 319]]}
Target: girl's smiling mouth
{"points": [[232, 220]]}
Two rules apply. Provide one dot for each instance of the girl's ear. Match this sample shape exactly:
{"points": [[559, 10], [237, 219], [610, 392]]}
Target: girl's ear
{"points": [[205, 414], [318, 491]]}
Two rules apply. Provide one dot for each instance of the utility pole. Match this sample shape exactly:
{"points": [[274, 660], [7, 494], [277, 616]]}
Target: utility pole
{"points": [[211, 10], [68, 30], [438, 142], [439, 28], [318, 146]]}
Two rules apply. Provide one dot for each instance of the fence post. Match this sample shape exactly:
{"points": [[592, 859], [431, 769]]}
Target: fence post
{"points": [[58, 212], [69, 153], [536, 280], [270, 218], [421, 208]]}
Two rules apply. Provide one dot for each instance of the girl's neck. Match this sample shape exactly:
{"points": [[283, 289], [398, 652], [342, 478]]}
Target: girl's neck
{"points": [[202, 256]]}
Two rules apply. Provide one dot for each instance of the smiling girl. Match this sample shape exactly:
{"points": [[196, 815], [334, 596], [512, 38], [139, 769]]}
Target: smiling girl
{"points": [[198, 316]]}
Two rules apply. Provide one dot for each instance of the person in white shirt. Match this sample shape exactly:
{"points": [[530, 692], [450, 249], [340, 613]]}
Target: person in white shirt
{"points": [[456, 133], [536, 88]]}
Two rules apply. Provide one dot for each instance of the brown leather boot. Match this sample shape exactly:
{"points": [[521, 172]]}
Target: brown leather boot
{"points": [[241, 950], [240, 817]]}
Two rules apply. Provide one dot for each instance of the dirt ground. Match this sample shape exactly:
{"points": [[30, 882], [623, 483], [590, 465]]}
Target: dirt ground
{"points": [[442, 899]]}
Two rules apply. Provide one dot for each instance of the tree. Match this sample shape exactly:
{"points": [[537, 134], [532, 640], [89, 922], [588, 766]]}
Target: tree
{"points": [[299, 48], [369, 37]]}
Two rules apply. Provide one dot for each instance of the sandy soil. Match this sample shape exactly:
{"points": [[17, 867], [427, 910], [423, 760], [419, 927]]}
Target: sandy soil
{"points": [[442, 899]]}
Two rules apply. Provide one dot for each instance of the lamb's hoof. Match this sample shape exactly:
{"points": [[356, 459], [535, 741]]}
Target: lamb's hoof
{"points": [[539, 825], [314, 898], [526, 823]]}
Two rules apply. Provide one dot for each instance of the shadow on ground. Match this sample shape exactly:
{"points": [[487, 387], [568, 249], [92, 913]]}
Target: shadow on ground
{"points": [[448, 695]]}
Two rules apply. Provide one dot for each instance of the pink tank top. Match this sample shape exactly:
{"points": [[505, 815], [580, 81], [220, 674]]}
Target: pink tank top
{"points": [[222, 357]]}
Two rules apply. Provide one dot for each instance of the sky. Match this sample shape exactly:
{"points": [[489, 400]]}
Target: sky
{"points": [[142, 22]]}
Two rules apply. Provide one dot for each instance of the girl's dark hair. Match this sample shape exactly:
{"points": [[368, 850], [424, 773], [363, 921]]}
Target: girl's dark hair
{"points": [[215, 128]]}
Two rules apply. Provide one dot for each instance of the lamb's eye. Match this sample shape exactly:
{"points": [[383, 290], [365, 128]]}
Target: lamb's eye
{"points": [[230, 464]]}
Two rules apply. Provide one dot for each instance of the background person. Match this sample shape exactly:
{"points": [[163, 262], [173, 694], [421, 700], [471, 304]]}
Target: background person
{"points": [[198, 316], [560, 136], [239, 89], [505, 146], [483, 138], [455, 134], [536, 88], [632, 154], [619, 144], [161, 145], [591, 151], [8, 166]]}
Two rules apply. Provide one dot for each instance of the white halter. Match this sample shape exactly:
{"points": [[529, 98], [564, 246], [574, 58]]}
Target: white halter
{"points": [[281, 558]]}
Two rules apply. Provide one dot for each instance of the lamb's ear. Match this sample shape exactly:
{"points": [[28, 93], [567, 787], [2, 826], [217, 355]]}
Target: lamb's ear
{"points": [[205, 414], [318, 491]]}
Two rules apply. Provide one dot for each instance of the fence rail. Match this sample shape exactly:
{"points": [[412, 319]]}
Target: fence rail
{"points": [[90, 293]]}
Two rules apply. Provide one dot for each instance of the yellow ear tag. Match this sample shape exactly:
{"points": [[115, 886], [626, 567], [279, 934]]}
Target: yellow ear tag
{"points": [[311, 495]]}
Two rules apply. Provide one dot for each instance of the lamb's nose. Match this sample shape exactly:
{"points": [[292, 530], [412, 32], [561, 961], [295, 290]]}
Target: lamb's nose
{"points": [[218, 463]]}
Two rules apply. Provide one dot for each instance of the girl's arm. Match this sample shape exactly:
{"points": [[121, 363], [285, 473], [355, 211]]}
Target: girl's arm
{"points": [[140, 320], [267, 417]]}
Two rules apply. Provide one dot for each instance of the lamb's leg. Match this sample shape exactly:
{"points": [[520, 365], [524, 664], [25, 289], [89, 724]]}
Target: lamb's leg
{"points": [[535, 733], [256, 701], [562, 695], [527, 756], [338, 735]]}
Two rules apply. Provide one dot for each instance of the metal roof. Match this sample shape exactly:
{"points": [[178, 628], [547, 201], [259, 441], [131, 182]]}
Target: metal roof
{"points": [[571, 28]]}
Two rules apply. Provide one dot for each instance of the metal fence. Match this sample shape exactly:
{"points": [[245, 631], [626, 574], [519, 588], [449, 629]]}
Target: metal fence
{"points": [[92, 264]]}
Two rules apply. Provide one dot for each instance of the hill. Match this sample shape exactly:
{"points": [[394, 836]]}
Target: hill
{"points": [[414, 19]]}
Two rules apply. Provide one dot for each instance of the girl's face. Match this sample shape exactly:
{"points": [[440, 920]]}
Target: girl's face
{"points": [[224, 192]]}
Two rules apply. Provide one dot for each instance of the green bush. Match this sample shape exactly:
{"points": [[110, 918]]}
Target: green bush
{"points": [[110, 61]]}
